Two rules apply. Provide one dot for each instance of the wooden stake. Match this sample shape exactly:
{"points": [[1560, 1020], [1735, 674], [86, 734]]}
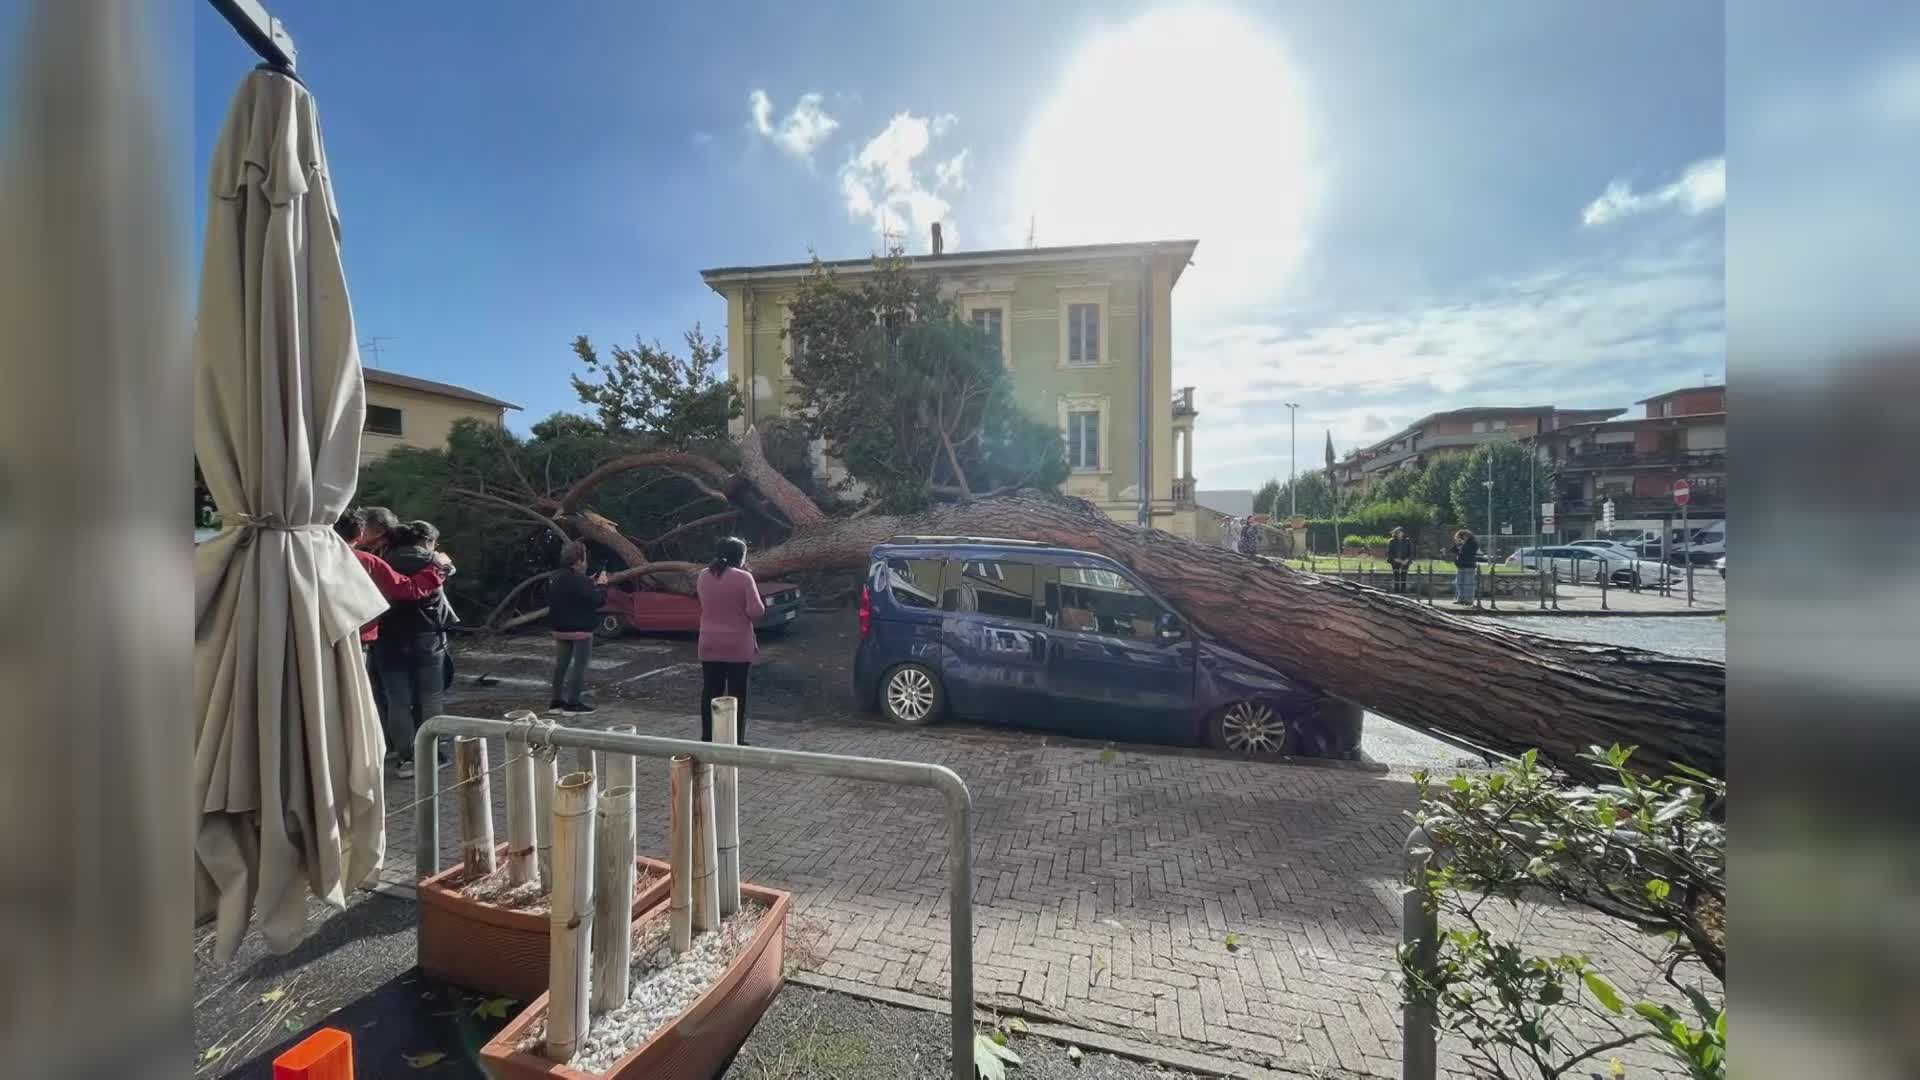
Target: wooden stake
{"points": [[680, 851], [706, 882], [523, 866], [726, 805], [614, 878], [546, 777], [572, 916], [476, 806]]}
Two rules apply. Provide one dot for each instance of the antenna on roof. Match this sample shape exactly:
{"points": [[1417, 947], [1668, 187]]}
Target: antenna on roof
{"points": [[1031, 220], [374, 346]]}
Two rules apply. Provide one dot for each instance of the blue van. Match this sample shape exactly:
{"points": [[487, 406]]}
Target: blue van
{"points": [[1017, 633]]}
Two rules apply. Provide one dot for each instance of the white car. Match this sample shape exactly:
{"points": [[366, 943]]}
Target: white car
{"points": [[1577, 564], [1615, 546]]}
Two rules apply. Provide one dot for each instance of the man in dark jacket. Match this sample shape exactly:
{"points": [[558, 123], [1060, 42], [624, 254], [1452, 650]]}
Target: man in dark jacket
{"points": [[1466, 558], [1399, 556]]}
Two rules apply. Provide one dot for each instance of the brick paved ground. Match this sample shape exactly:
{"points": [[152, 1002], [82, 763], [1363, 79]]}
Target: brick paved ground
{"points": [[1107, 884]]}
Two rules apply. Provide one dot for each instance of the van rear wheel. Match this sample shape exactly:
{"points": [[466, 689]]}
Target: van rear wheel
{"points": [[910, 695]]}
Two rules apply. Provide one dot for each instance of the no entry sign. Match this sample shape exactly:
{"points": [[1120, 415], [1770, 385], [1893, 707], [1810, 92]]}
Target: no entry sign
{"points": [[1681, 493]]}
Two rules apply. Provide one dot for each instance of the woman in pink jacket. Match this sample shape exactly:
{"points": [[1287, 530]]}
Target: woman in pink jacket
{"points": [[730, 604]]}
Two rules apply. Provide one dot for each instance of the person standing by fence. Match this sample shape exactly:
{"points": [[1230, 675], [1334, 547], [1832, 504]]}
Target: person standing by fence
{"points": [[411, 651], [397, 588], [1399, 557], [573, 610], [730, 603], [1466, 557]]}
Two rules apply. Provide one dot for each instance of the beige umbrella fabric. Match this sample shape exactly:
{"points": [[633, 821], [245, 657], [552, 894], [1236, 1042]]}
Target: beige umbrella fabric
{"points": [[288, 753]]}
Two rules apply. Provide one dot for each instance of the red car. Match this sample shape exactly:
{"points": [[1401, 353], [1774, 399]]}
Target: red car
{"points": [[654, 612]]}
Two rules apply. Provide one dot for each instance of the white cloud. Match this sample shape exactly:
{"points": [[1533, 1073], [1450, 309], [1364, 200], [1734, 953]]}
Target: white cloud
{"points": [[886, 183], [1701, 188], [951, 174], [800, 132]]}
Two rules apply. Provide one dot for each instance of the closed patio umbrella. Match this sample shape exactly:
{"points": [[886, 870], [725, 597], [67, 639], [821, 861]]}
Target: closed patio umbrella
{"points": [[288, 752]]}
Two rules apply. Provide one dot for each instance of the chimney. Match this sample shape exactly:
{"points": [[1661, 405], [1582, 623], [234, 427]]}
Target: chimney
{"points": [[936, 238]]}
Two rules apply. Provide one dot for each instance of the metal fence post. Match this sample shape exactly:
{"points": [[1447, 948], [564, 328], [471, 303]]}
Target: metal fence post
{"points": [[959, 812], [1420, 932]]}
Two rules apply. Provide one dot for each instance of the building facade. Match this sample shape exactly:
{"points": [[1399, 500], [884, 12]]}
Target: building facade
{"points": [[1087, 335], [1635, 462], [406, 411]]}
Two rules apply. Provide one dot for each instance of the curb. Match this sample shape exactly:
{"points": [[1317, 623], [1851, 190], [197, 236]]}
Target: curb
{"points": [[1056, 1031]]}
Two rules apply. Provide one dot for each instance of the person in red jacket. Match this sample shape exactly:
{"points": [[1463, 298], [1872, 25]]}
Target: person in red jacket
{"points": [[397, 588]]}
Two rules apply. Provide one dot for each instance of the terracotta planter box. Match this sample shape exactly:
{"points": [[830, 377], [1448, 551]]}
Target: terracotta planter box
{"points": [[693, 1045], [491, 949]]}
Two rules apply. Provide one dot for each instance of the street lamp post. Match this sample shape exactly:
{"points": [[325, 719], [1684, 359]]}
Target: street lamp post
{"points": [[1293, 460], [1493, 546]]}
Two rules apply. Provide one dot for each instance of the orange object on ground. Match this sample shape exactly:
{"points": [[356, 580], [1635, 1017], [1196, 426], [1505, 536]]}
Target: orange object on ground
{"points": [[326, 1054]]}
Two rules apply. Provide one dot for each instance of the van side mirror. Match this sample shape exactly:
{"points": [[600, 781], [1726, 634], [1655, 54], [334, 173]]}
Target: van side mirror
{"points": [[1168, 629]]}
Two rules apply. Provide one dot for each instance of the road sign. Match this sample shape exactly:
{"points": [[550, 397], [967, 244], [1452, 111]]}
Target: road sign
{"points": [[1546, 509], [1506, 530], [1681, 493], [1606, 514]]}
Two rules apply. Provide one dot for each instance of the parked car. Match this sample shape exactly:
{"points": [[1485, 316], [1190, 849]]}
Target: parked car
{"points": [[1615, 546], [1577, 564], [652, 611], [1002, 631]]}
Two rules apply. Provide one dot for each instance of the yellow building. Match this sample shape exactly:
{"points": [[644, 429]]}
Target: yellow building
{"points": [[1087, 333], [405, 411]]}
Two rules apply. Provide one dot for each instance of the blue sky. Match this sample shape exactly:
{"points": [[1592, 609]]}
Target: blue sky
{"points": [[1401, 207]]}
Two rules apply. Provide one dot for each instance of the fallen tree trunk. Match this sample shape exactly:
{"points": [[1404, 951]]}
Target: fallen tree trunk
{"points": [[1472, 679]]}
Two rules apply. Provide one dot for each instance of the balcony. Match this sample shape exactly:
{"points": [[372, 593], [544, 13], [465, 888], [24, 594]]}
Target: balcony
{"points": [[1183, 401], [1625, 457], [1183, 488]]}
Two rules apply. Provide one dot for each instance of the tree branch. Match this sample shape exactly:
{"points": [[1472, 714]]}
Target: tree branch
{"points": [[710, 519], [508, 504]]}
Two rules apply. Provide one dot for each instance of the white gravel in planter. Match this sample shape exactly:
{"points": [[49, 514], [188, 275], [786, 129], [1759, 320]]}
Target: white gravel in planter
{"points": [[498, 890], [663, 986]]}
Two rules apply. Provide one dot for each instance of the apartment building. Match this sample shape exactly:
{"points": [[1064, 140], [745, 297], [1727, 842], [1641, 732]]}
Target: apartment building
{"points": [[1087, 336], [1456, 431], [1635, 462]]}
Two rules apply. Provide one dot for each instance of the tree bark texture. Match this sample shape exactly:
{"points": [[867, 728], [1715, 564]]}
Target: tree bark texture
{"points": [[1470, 678]]}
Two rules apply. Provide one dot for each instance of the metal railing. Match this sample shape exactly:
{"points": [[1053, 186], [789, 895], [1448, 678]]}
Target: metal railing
{"points": [[959, 811]]}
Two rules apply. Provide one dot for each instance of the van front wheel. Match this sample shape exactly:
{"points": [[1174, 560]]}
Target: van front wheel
{"points": [[1253, 728], [910, 695]]}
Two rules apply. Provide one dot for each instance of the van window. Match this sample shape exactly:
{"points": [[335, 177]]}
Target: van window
{"points": [[915, 583], [993, 587], [1089, 600]]}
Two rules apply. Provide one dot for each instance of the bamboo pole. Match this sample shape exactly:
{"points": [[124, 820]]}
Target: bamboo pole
{"points": [[523, 865], [476, 806], [726, 805], [706, 882], [680, 851], [571, 921], [620, 769], [614, 878], [546, 777]]}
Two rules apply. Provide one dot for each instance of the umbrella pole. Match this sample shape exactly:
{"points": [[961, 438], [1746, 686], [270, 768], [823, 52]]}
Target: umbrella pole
{"points": [[572, 916], [614, 874], [523, 865], [476, 806], [680, 851], [726, 805]]}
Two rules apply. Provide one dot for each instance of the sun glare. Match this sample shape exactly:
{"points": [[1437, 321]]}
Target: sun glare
{"points": [[1183, 123]]}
